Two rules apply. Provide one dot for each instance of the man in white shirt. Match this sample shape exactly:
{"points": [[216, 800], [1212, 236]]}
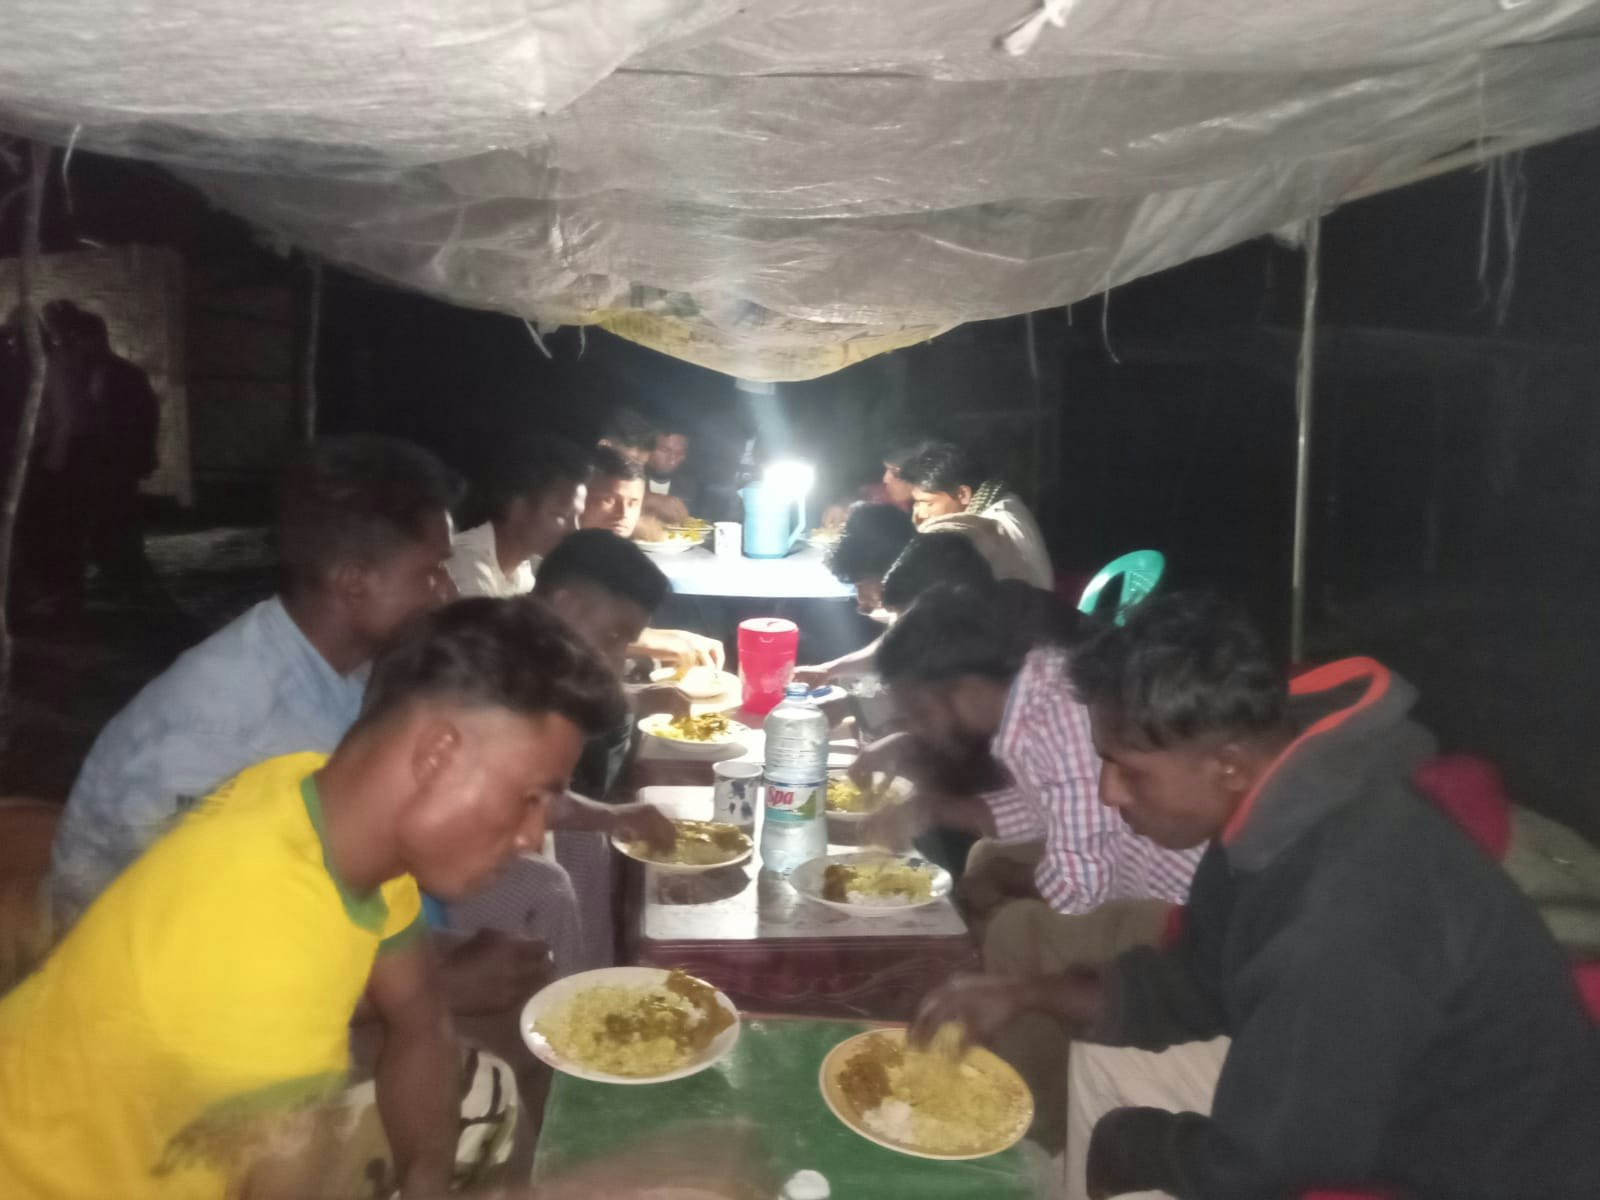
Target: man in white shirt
{"points": [[535, 496], [616, 490], [946, 479]]}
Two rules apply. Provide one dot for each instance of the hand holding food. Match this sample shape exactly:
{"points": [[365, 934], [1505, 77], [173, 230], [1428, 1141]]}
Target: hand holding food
{"points": [[646, 825], [886, 756], [662, 698], [814, 676], [895, 826], [981, 1005]]}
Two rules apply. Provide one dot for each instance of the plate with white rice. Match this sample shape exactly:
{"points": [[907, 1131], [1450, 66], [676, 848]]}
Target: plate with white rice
{"points": [[870, 883], [630, 1025], [939, 1102]]}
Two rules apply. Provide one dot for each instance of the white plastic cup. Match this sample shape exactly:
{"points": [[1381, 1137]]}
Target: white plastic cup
{"points": [[728, 538], [737, 794]]}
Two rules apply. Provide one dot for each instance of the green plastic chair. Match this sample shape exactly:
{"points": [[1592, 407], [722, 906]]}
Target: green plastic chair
{"points": [[1140, 572]]}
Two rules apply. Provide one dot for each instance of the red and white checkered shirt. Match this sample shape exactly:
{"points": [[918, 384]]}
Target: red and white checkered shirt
{"points": [[1090, 854]]}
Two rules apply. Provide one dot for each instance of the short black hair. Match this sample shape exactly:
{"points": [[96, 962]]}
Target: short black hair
{"points": [[900, 453], [872, 538], [949, 632], [356, 499], [934, 558], [1183, 667], [513, 653], [611, 563], [530, 471], [628, 427], [607, 462], [942, 467]]}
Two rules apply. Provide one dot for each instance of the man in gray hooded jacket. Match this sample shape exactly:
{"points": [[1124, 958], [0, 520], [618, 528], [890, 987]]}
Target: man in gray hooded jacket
{"points": [[1359, 998]]}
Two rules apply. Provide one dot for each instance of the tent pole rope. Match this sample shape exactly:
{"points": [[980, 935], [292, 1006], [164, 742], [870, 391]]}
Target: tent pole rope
{"points": [[1304, 394], [17, 472]]}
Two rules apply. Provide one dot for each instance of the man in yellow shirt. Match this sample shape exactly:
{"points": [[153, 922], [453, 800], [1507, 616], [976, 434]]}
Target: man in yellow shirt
{"points": [[180, 1040]]}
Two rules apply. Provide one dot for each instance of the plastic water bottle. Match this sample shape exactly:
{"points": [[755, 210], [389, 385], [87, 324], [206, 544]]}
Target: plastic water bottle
{"points": [[795, 825]]}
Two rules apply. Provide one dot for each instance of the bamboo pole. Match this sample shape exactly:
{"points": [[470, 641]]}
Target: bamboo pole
{"points": [[17, 473], [1304, 395]]}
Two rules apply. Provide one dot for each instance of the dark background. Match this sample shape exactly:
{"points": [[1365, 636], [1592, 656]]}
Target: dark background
{"points": [[1456, 462]]}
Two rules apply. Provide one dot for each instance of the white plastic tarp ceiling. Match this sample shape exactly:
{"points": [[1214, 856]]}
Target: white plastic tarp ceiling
{"points": [[776, 188]]}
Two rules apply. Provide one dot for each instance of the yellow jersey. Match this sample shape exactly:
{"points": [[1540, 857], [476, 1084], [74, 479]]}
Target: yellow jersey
{"points": [[203, 998]]}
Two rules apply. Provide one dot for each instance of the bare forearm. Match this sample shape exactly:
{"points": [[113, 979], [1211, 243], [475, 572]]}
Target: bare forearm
{"points": [[572, 811], [1075, 998], [416, 1090]]}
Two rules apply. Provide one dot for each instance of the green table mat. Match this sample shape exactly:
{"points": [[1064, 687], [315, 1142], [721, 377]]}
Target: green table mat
{"points": [[771, 1081]]}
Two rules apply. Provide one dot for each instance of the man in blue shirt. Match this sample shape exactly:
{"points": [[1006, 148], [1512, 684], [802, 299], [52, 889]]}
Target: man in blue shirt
{"points": [[364, 533]]}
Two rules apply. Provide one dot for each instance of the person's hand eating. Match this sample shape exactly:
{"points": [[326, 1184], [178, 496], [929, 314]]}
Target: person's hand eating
{"points": [[644, 823], [983, 1005], [661, 698]]}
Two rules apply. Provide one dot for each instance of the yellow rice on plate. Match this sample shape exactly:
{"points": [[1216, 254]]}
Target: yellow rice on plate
{"points": [[936, 1101], [637, 1031]]}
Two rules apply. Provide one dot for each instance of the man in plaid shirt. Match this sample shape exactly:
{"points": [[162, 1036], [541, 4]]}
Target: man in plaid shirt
{"points": [[968, 681], [965, 680]]}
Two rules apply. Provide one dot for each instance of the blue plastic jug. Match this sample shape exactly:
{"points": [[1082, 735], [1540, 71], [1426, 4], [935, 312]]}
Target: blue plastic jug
{"points": [[773, 520]]}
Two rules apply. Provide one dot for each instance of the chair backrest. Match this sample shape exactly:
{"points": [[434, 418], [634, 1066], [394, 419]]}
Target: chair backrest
{"points": [[1140, 572]]}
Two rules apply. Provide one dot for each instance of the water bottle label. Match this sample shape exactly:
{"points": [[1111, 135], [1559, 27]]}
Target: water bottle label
{"points": [[794, 802]]}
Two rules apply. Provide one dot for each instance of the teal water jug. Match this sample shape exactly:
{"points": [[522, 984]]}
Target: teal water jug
{"points": [[773, 520]]}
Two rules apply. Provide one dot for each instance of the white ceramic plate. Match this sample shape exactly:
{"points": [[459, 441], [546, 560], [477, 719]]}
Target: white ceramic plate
{"points": [[701, 683], [807, 880], [898, 790], [718, 747], [626, 851], [839, 1104], [558, 993]]}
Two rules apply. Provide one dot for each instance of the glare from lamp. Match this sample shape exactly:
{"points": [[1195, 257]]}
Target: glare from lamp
{"points": [[789, 478]]}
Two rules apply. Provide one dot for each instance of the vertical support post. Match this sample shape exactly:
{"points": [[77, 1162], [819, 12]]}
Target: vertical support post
{"points": [[1304, 397], [308, 359], [17, 474]]}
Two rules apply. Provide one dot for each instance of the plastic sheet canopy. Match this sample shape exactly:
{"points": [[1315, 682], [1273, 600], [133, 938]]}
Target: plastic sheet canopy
{"points": [[777, 188]]}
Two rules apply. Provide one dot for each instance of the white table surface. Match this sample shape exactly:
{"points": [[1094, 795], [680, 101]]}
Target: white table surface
{"points": [[803, 575], [743, 904]]}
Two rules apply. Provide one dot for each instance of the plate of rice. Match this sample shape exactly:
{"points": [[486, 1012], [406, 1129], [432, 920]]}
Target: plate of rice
{"points": [[701, 846], [705, 735], [933, 1103], [630, 1025], [850, 803], [871, 882]]}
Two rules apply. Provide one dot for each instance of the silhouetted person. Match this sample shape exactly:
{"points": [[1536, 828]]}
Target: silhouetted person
{"points": [[97, 441]]}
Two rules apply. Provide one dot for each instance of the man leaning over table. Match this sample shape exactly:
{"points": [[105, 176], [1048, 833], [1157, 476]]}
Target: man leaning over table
{"points": [[189, 1036], [605, 588], [616, 490], [1359, 998], [363, 534], [961, 678]]}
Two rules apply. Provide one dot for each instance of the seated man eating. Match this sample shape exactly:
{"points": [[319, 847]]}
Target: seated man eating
{"points": [[1359, 998], [946, 479], [616, 490], [183, 1038], [533, 495], [363, 533], [962, 678]]}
